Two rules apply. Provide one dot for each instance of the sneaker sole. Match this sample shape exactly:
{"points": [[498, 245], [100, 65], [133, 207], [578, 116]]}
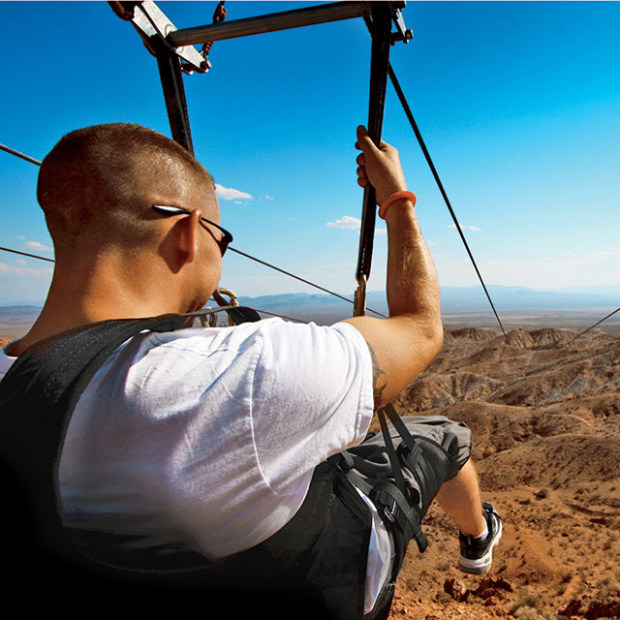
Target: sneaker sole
{"points": [[483, 564]]}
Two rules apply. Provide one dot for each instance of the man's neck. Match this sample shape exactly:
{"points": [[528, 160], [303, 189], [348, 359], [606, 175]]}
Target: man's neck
{"points": [[67, 309]]}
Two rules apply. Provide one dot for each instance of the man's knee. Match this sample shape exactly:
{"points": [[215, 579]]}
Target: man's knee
{"points": [[454, 438], [431, 464]]}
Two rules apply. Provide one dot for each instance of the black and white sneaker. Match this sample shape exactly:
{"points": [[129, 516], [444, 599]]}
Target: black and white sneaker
{"points": [[476, 555]]}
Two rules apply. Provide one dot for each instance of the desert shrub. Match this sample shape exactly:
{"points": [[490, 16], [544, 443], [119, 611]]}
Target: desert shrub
{"points": [[527, 613], [526, 601]]}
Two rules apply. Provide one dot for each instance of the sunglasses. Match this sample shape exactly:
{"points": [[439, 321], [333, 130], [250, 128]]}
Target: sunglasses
{"points": [[223, 242]]}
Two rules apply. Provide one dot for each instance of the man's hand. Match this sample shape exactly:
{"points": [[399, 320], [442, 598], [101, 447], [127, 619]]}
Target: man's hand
{"points": [[379, 167]]}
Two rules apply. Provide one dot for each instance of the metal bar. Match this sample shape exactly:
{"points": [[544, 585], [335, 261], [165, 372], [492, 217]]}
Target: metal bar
{"points": [[171, 77], [149, 20], [379, 63], [269, 23]]}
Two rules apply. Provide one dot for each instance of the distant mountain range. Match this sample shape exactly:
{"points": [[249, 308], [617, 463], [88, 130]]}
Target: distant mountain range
{"points": [[453, 299], [458, 299], [324, 308]]}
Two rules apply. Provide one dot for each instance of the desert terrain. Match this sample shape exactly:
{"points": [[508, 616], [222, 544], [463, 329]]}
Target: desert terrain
{"points": [[544, 408], [545, 413]]}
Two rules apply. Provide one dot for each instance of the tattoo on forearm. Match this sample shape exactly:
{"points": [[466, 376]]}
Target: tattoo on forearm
{"points": [[378, 379]]}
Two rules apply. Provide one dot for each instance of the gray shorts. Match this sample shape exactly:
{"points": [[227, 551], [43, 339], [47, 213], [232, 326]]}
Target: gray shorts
{"points": [[370, 459]]}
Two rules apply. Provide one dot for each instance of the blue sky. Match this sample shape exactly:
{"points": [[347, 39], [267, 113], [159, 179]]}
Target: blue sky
{"points": [[519, 105]]}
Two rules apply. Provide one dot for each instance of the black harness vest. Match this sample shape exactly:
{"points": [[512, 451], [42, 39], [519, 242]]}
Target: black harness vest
{"points": [[313, 567]]}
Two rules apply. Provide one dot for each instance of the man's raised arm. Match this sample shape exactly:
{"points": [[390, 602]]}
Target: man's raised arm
{"points": [[405, 343]]}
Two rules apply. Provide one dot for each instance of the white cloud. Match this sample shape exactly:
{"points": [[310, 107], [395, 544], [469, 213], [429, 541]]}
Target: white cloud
{"points": [[347, 222], [463, 227], [24, 271], [227, 193], [35, 245]]}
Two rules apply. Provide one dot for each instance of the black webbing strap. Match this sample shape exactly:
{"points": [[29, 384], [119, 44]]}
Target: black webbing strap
{"points": [[400, 510], [404, 511]]}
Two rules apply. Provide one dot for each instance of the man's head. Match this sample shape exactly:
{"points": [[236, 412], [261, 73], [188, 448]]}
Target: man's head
{"points": [[97, 187]]}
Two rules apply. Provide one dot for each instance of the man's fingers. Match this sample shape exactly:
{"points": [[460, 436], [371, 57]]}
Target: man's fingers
{"points": [[364, 141], [361, 132]]}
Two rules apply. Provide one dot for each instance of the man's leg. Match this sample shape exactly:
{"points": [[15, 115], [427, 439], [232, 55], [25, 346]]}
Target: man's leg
{"points": [[480, 525], [460, 499]]}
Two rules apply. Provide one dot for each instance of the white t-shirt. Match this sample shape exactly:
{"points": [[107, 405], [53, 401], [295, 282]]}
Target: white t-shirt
{"points": [[212, 435]]}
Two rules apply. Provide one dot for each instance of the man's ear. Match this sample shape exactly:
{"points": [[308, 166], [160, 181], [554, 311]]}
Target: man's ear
{"points": [[188, 239]]}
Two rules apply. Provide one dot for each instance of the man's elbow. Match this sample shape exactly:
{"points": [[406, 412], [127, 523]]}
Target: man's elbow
{"points": [[436, 335], [430, 331]]}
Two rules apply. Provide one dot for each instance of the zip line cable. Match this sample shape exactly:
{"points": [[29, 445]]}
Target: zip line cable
{"points": [[592, 327], [418, 135], [8, 149], [401, 96], [262, 262], [230, 248], [51, 260]]}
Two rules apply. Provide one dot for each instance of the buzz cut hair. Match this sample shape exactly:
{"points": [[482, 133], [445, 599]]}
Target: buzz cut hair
{"points": [[102, 171]]}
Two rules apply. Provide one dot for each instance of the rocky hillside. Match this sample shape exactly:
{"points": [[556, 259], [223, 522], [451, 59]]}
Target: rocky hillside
{"points": [[545, 412]]}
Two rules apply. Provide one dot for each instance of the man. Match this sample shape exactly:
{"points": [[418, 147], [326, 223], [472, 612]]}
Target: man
{"points": [[210, 439]]}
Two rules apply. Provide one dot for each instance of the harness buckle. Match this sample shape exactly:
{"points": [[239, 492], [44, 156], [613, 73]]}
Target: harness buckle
{"points": [[390, 513]]}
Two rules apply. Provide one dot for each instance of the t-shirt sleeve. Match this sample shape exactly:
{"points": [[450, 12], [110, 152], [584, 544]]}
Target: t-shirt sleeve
{"points": [[311, 397]]}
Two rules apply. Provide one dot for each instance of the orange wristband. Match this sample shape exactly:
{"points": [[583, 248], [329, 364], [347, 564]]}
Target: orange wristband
{"points": [[393, 198]]}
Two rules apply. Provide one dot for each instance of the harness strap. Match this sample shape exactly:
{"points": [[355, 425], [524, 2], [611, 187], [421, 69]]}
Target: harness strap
{"points": [[399, 505], [399, 510], [393, 456]]}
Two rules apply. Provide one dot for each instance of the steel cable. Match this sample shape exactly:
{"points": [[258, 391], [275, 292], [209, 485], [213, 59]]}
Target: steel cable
{"points": [[591, 327], [51, 260], [418, 135], [291, 275], [11, 151]]}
